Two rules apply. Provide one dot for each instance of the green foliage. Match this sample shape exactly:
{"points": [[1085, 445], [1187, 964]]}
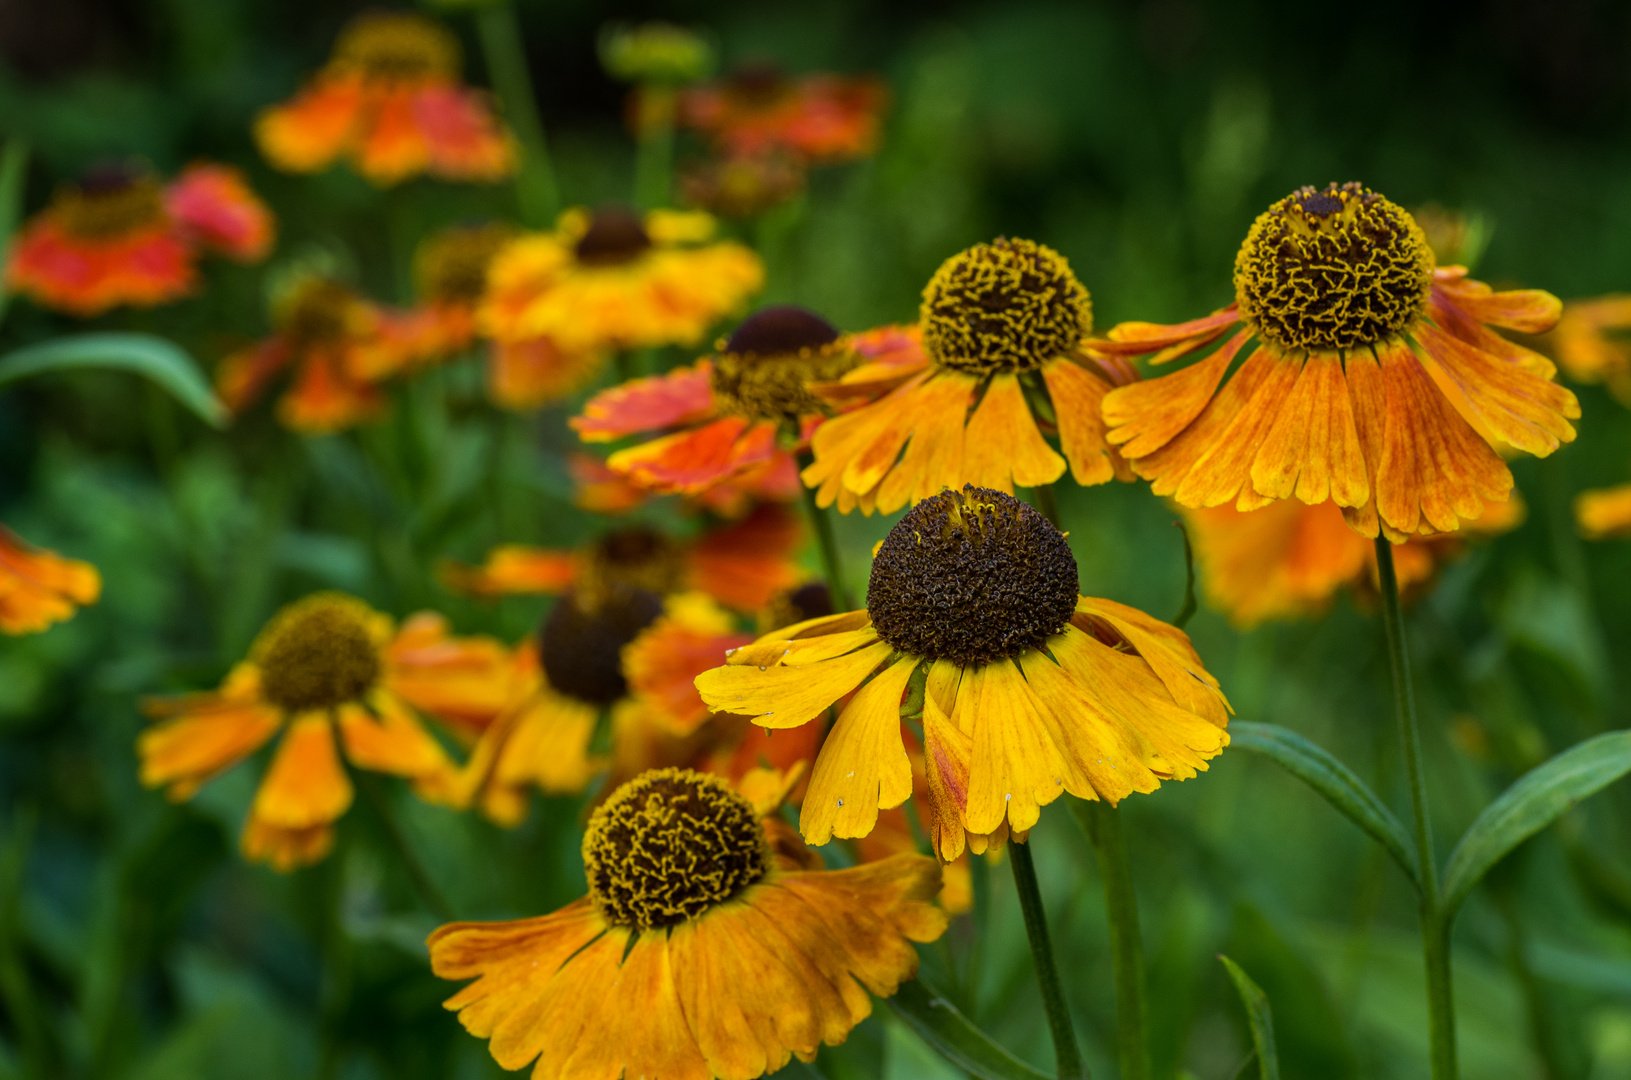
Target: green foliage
{"points": [[1261, 1018], [145, 355]]}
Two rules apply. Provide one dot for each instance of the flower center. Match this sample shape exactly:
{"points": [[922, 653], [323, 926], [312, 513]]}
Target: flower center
{"points": [[316, 309], [637, 557], [971, 576], [758, 84], [1332, 269], [317, 653], [763, 370], [811, 601], [1011, 305], [451, 267], [109, 201], [668, 845], [615, 236], [582, 643], [397, 45]]}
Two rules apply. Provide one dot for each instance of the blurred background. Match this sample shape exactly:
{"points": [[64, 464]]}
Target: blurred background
{"points": [[1140, 140]]}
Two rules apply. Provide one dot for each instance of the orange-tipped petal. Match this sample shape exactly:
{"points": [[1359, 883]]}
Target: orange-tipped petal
{"points": [[683, 396]]}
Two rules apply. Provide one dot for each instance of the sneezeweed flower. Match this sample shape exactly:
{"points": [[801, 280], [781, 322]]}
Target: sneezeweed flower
{"points": [[655, 52], [1605, 513], [1002, 326], [819, 119], [390, 101], [39, 588], [1375, 382], [709, 945], [1456, 237], [1288, 560], [743, 185], [735, 411], [661, 664], [598, 489], [330, 336], [1590, 346], [324, 668], [612, 280], [119, 236], [1029, 689]]}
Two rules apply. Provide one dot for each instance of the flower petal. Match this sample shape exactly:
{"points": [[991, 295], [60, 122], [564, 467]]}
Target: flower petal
{"points": [[862, 767], [305, 785]]}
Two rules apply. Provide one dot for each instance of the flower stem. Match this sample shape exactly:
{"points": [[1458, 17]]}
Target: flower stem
{"points": [[1102, 823], [654, 155], [1435, 928], [1065, 1053], [832, 568], [507, 66], [422, 881]]}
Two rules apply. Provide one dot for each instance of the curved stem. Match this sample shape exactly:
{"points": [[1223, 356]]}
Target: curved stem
{"points": [[422, 881], [1435, 928], [1102, 823], [507, 66], [1069, 1058], [821, 525]]}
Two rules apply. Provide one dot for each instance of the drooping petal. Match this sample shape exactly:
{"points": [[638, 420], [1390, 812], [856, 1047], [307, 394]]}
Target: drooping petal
{"points": [[1222, 472], [789, 694], [680, 398], [1015, 769], [1145, 416], [309, 132], [182, 753], [1078, 397], [747, 563], [1518, 407], [1313, 451], [1002, 445], [863, 766], [305, 784], [947, 753]]}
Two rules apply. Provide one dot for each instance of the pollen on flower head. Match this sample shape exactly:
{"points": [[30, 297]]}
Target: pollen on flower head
{"points": [[452, 265], [615, 236], [670, 844], [1333, 268], [317, 653], [1010, 305], [109, 200], [763, 370], [971, 576], [581, 644], [397, 45]]}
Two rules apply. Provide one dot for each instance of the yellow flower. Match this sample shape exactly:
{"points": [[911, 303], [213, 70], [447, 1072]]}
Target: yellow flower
{"points": [[1604, 514], [38, 588], [1589, 343], [1029, 690]]}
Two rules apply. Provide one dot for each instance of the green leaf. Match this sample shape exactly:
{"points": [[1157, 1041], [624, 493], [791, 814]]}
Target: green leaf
{"points": [[13, 171], [1334, 781], [938, 1023], [1538, 798], [164, 362], [1261, 1018]]}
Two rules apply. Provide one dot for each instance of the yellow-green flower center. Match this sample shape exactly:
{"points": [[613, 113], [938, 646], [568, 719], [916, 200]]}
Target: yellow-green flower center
{"points": [[1333, 268], [764, 369], [317, 653], [316, 309], [668, 845], [971, 576], [451, 266], [397, 45], [1011, 305], [109, 202]]}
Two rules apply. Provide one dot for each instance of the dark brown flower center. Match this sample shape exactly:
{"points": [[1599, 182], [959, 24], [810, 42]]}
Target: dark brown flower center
{"points": [[581, 644], [315, 310], [615, 236], [811, 601], [110, 201], [1011, 305], [317, 653], [764, 369]]}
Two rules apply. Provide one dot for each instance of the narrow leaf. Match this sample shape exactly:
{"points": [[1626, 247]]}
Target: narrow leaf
{"points": [[1337, 783], [954, 1037], [1261, 1018], [164, 362], [1538, 798], [13, 171]]}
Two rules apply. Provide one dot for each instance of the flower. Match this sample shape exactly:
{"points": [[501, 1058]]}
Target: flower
{"points": [[119, 236], [324, 666], [655, 52], [743, 185], [331, 336], [728, 414], [1028, 689], [1604, 514], [1375, 382], [38, 588], [390, 100], [661, 664], [1288, 559], [716, 953], [1004, 325], [596, 488], [612, 280], [1584, 348], [818, 118]]}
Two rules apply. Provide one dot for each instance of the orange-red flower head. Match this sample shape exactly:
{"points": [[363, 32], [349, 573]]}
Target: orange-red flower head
{"points": [[38, 588], [818, 118]]}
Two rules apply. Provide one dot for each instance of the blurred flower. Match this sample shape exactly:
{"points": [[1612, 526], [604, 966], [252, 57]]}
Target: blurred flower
{"points": [[1375, 382], [611, 280], [661, 664], [655, 52], [743, 185], [1028, 689], [1456, 237], [391, 101], [597, 488], [818, 118], [1604, 514], [1288, 559], [1004, 324], [332, 337], [120, 237], [1583, 345], [742, 563], [326, 665], [666, 970], [731, 412], [38, 587]]}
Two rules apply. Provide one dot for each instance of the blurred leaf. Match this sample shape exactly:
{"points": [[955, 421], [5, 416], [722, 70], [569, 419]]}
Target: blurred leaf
{"points": [[185, 1051], [1538, 798], [951, 1033], [13, 171], [1334, 781], [1261, 1018], [159, 360]]}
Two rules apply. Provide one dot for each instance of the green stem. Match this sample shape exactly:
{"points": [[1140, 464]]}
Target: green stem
{"points": [[1068, 1057], [821, 524], [1102, 823], [654, 156], [535, 186], [1186, 612], [1435, 928], [422, 881]]}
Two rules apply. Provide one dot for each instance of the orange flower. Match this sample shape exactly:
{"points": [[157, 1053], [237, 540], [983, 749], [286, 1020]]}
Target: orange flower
{"points": [[1604, 514], [1585, 348], [390, 101], [1288, 559], [743, 185], [743, 564], [598, 489], [119, 237], [38, 588], [999, 355], [730, 414], [667, 971], [326, 666], [819, 118], [1375, 382], [661, 664], [331, 336]]}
